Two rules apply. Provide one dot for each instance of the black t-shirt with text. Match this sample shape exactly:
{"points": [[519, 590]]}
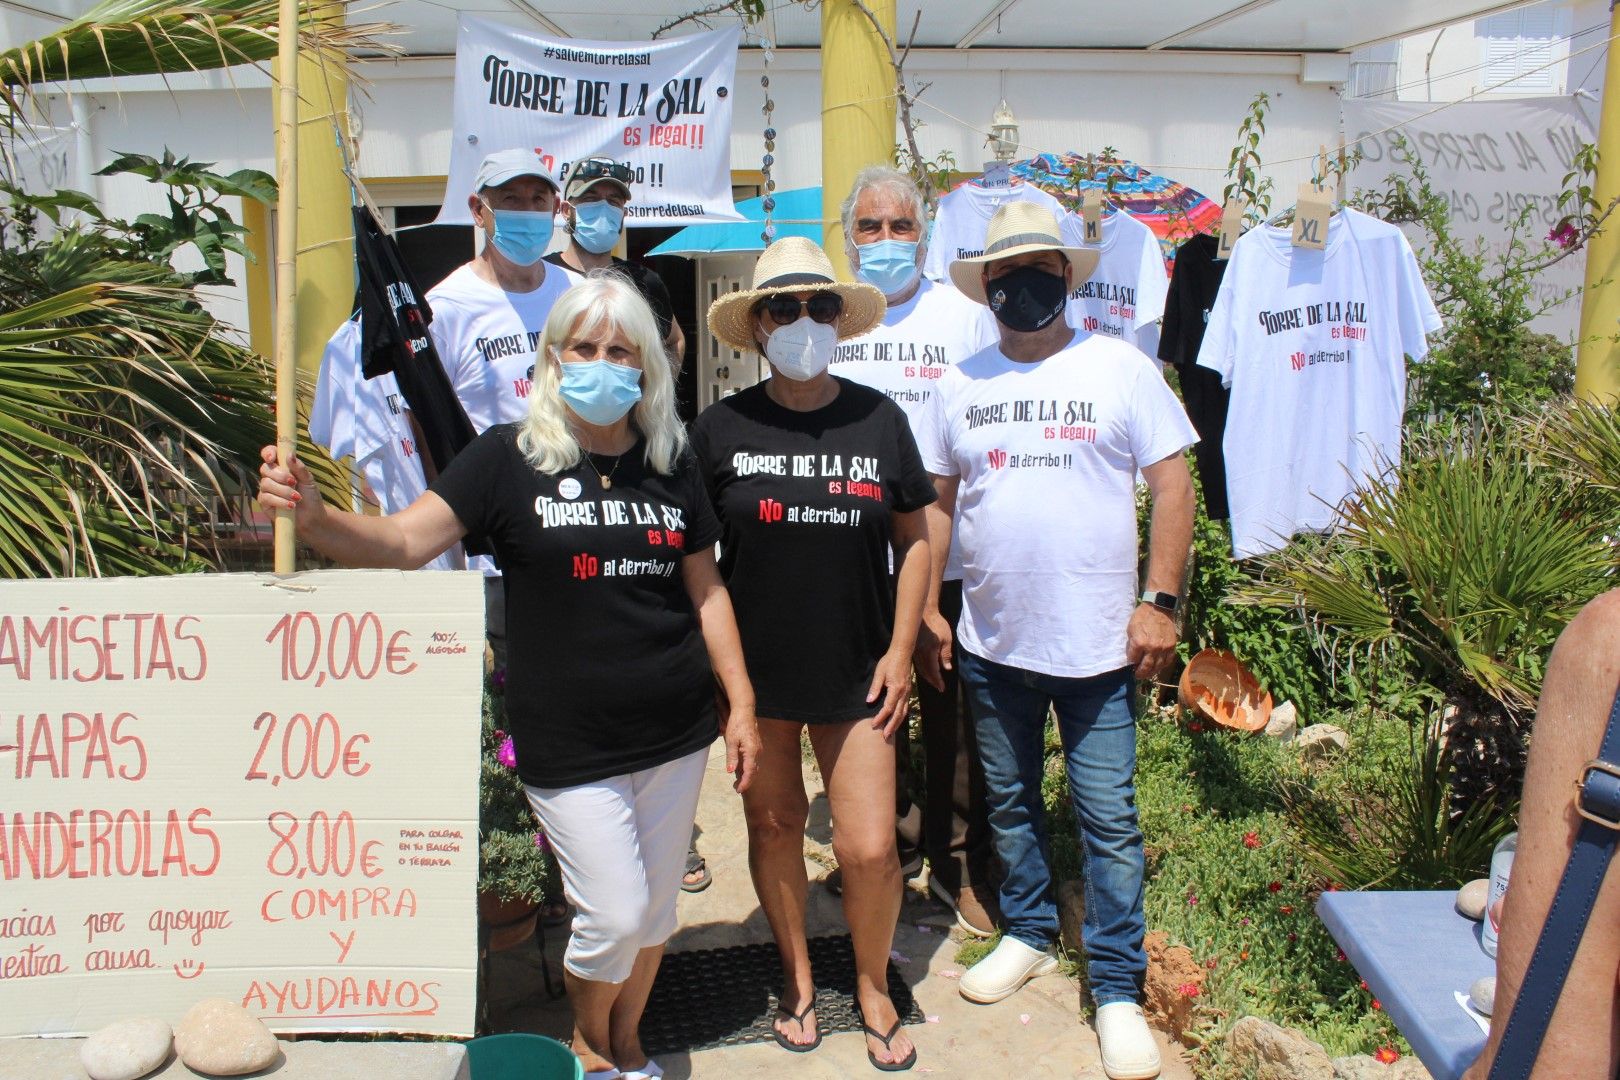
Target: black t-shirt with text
{"points": [[805, 500], [608, 671], [1194, 284]]}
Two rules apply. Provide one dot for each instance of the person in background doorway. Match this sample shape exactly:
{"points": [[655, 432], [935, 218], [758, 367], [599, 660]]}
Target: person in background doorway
{"points": [[818, 484], [611, 701], [489, 313], [594, 198], [1036, 443], [927, 328]]}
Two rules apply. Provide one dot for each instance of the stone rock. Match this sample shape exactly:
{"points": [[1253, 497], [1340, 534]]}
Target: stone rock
{"points": [[1408, 1068], [127, 1050], [1170, 969], [1270, 1052], [1471, 899], [1284, 722], [1071, 905], [1319, 740], [1482, 995], [1359, 1067], [224, 1039]]}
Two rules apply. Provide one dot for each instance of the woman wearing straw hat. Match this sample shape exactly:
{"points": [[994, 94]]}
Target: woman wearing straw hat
{"points": [[817, 482], [611, 707]]}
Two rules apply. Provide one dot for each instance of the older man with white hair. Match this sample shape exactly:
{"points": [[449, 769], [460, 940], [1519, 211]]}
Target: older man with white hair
{"points": [[927, 328]]}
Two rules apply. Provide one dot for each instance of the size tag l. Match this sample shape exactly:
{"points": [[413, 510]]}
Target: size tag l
{"points": [[1231, 226], [1311, 215]]}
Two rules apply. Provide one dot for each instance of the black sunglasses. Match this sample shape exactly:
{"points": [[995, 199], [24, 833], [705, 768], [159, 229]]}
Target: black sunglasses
{"points": [[596, 168], [824, 307]]}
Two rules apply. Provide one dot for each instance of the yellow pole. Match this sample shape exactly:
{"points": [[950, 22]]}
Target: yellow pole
{"points": [[1597, 366], [286, 267], [857, 107]]}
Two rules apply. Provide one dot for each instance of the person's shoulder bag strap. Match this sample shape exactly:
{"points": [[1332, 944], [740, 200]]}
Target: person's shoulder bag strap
{"points": [[1598, 801]]}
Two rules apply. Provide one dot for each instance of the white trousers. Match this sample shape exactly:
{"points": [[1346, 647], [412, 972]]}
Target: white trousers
{"points": [[621, 844]]}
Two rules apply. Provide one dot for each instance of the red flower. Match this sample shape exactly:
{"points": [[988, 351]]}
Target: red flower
{"points": [[1376, 1004], [1211, 962], [1188, 990], [1286, 909], [1251, 840], [1293, 937], [1388, 1055], [1194, 725], [1364, 984], [1275, 886], [1343, 959]]}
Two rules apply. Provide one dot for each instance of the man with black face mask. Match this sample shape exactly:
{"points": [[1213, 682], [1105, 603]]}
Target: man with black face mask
{"points": [[1039, 440]]}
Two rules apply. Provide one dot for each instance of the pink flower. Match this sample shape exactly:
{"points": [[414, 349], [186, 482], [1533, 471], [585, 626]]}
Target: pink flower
{"points": [[1192, 901], [1563, 234], [507, 754], [541, 842], [1188, 990]]}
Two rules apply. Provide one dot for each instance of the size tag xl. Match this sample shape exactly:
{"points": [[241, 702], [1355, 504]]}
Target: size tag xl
{"points": [[1311, 215]]}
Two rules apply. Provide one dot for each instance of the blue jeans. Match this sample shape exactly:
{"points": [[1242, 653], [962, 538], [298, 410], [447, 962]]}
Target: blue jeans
{"points": [[1097, 724]]}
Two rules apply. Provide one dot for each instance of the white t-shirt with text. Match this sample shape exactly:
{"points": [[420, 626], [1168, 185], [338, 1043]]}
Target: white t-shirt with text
{"points": [[963, 218], [1047, 455], [1314, 347], [1124, 297], [486, 338], [907, 353]]}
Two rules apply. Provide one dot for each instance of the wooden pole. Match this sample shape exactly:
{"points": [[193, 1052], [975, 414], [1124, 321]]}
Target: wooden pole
{"points": [[286, 537]]}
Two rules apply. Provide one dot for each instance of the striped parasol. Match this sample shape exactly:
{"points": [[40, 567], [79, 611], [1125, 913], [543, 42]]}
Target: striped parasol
{"points": [[1170, 208]]}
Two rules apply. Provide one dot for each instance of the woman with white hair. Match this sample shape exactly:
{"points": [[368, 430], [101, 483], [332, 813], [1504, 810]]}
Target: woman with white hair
{"points": [[619, 625]]}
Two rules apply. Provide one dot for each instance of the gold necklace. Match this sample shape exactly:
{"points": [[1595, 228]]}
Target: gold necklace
{"points": [[607, 481]]}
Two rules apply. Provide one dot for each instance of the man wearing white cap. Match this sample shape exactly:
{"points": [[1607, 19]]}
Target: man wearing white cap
{"points": [[1035, 444], [926, 328], [489, 313]]}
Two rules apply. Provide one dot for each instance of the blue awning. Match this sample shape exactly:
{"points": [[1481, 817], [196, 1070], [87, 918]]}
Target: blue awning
{"points": [[797, 213]]}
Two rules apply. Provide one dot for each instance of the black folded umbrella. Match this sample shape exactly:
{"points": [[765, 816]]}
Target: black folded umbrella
{"points": [[394, 318]]}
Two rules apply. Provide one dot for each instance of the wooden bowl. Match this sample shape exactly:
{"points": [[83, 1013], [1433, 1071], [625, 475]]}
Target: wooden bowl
{"points": [[1216, 685]]}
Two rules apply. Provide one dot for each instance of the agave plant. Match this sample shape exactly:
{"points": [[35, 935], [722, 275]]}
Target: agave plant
{"points": [[1461, 567]]}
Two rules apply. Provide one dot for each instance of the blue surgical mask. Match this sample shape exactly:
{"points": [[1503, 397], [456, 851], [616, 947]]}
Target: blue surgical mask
{"points": [[597, 226], [600, 391], [891, 265], [522, 235]]}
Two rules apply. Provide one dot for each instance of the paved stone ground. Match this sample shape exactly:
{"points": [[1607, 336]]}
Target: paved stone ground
{"points": [[1037, 1033]]}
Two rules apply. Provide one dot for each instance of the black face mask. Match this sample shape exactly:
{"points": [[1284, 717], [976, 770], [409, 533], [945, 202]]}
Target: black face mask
{"points": [[1027, 299]]}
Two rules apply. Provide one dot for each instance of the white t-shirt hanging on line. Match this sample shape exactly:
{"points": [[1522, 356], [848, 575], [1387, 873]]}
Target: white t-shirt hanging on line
{"points": [[1314, 346], [906, 355], [963, 218], [331, 413], [1124, 297], [486, 338], [1047, 454]]}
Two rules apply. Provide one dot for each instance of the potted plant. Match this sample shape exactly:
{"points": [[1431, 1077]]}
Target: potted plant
{"points": [[514, 861]]}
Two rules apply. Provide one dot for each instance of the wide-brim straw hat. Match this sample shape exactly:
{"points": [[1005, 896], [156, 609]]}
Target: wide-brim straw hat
{"points": [[791, 265], [1019, 227]]}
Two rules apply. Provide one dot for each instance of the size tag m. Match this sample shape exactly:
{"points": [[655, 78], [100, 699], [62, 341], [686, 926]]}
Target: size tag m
{"points": [[1091, 204]]}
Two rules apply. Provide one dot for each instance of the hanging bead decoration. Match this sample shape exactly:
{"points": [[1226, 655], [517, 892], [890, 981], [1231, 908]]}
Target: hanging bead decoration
{"points": [[768, 204]]}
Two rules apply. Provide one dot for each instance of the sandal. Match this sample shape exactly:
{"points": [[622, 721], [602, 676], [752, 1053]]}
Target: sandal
{"points": [[555, 913], [889, 1066], [695, 866], [798, 1018]]}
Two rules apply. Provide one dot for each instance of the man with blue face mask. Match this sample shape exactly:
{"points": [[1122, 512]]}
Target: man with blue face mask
{"points": [[489, 313], [927, 328], [594, 199]]}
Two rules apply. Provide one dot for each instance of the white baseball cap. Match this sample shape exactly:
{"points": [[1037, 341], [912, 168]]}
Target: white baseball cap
{"points": [[504, 165]]}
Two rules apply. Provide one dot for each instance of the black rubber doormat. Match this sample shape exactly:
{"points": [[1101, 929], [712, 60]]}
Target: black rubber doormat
{"points": [[727, 997]]}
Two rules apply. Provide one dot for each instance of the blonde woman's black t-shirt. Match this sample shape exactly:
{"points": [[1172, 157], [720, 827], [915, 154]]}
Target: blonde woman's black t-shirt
{"points": [[608, 673], [805, 500]]}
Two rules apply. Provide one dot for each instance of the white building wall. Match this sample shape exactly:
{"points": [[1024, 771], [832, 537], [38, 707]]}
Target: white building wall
{"points": [[1451, 64]]}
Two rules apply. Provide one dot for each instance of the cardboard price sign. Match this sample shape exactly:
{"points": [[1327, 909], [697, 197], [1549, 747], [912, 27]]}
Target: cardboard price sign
{"points": [[244, 787]]}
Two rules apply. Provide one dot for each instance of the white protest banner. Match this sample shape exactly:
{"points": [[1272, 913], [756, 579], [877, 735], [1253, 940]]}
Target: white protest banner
{"points": [[242, 787], [1492, 160], [661, 107]]}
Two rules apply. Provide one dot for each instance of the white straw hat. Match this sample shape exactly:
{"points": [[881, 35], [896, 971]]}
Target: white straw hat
{"points": [[1019, 227], [794, 264]]}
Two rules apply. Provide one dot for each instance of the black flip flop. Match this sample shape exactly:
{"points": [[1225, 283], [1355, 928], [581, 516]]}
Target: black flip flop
{"points": [[889, 1066], [797, 1018]]}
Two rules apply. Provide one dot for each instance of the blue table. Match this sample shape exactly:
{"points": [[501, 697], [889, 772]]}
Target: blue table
{"points": [[1414, 950]]}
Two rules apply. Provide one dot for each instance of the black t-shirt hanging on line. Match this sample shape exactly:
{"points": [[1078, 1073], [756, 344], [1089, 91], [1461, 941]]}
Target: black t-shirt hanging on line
{"points": [[608, 673], [805, 500], [1194, 283]]}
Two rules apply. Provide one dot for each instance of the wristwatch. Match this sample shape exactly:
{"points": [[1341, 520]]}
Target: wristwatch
{"points": [[1166, 602]]}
